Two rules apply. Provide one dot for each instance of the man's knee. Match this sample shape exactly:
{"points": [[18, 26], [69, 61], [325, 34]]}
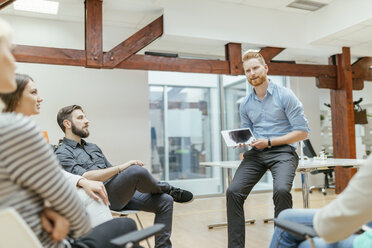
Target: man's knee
{"points": [[281, 192], [128, 223], [286, 214], [136, 171], [233, 191]]}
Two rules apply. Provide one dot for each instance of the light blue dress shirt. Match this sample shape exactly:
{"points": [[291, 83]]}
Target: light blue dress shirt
{"points": [[279, 113]]}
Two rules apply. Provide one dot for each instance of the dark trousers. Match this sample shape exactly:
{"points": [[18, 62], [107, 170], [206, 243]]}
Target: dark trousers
{"points": [[101, 235], [282, 161], [136, 189]]}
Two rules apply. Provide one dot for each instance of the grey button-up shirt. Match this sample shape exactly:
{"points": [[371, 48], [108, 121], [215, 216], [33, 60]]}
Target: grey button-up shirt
{"points": [[78, 159]]}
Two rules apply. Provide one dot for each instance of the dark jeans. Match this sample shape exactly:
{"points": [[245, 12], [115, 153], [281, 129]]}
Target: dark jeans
{"points": [[282, 161], [101, 235], [136, 189]]}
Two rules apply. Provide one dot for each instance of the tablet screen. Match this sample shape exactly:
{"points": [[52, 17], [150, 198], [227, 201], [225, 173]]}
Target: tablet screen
{"points": [[238, 136]]}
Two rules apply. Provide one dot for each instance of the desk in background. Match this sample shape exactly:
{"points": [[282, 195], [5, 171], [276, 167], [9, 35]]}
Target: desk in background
{"points": [[304, 167]]}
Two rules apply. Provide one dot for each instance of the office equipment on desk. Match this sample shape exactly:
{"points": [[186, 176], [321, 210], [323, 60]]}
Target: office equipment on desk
{"points": [[328, 172]]}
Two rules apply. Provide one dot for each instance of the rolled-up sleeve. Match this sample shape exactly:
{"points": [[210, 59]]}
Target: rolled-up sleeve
{"points": [[73, 179], [69, 163], [295, 112]]}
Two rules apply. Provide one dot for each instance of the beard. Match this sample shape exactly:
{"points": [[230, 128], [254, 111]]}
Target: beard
{"points": [[258, 81], [79, 132]]}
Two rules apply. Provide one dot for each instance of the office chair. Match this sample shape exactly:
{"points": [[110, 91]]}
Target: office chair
{"points": [[125, 213], [328, 173]]}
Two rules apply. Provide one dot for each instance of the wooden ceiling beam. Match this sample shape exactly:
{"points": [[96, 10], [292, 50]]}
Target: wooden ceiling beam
{"points": [[301, 70], [93, 33], [159, 63], [133, 44], [58, 56], [4, 3], [270, 52], [361, 68], [324, 82], [73, 57], [48, 55]]}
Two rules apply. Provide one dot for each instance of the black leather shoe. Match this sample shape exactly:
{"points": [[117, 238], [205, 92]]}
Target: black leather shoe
{"points": [[181, 195]]}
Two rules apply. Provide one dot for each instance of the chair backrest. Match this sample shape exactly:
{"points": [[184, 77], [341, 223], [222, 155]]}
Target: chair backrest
{"points": [[15, 232], [308, 149], [45, 135]]}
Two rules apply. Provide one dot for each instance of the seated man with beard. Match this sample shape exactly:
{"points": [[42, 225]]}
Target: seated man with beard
{"points": [[129, 185]]}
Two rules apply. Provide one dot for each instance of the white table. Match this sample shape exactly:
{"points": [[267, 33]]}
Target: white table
{"points": [[304, 167]]}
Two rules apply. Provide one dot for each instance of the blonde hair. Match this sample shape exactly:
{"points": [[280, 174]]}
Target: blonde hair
{"points": [[6, 32], [251, 54]]}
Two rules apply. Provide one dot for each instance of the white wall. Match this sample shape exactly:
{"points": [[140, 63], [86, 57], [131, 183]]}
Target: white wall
{"points": [[115, 101]]}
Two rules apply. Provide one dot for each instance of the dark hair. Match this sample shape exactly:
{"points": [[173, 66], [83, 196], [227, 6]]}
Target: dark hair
{"points": [[11, 99], [65, 114]]}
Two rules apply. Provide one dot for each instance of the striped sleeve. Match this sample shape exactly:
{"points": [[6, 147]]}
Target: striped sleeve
{"points": [[31, 164]]}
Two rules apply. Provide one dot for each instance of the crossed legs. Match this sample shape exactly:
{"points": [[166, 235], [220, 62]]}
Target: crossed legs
{"points": [[135, 188]]}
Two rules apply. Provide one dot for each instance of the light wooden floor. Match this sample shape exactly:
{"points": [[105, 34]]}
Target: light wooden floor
{"points": [[190, 220]]}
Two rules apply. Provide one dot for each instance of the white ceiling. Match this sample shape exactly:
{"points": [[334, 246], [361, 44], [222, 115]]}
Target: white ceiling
{"points": [[311, 37]]}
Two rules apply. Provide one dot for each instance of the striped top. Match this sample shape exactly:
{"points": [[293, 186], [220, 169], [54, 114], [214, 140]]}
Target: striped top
{"points": [[30, 174]]}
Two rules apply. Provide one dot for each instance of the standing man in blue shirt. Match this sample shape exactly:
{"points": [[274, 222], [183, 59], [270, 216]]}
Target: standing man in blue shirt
{"points": [[277, 120]]}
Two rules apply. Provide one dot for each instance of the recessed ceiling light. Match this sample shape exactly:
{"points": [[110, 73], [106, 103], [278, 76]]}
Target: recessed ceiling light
{"points": [[39, 6], [306, 5]]}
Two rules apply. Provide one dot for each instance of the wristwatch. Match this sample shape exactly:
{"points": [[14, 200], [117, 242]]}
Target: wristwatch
{"points": [[268, 143]]}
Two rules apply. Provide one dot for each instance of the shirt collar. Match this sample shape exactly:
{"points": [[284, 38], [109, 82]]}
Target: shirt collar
{"points": [[269, 90], [73, 143]]}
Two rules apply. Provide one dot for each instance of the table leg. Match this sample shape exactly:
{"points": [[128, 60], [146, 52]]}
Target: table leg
{"points": [[268, 220], [229, 179], [305, 189], [223, 224]]}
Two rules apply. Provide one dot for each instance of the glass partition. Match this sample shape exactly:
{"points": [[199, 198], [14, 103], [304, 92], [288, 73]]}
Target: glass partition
{"points": [[185, 127]]}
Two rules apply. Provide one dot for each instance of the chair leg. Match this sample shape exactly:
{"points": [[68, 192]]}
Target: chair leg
{"points": [[324, 191], [140, 223]]}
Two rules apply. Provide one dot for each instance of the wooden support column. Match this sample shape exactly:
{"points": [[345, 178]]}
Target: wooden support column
{"points": [[93, 33], [233, 54], [343, 127]]}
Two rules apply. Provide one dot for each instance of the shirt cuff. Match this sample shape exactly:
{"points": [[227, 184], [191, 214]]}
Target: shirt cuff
{"points": [[73, 179]]}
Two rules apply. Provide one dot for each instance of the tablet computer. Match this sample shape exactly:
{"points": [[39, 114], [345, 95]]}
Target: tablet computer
{"points": [[235, 137]]}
